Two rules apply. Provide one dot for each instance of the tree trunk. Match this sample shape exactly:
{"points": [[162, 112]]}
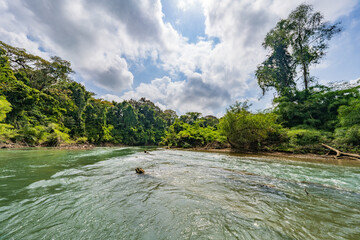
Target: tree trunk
{"points": [[232, 145], [305, 75], [339, 153]]}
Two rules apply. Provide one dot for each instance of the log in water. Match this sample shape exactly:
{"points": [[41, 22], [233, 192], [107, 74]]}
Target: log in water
{"points": [[96, 194]]}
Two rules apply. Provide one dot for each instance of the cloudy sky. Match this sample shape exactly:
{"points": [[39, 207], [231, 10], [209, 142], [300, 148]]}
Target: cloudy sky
{"points": [[186, 55]]}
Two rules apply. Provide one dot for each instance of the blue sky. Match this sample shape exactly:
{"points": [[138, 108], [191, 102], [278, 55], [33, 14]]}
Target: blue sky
{"points": [[186, 55]]}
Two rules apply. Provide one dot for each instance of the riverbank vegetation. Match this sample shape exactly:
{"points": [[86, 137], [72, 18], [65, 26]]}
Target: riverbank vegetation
{"points": [[41, 105]]}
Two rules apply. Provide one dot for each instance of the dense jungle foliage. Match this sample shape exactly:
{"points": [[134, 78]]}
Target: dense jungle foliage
{"points": [[40, 104]]}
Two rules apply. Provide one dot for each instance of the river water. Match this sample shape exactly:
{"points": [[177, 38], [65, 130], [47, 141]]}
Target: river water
{"points": [[96, 194]]}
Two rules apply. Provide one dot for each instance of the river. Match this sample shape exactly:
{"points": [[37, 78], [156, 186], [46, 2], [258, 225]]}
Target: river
{"points": [[96, 194]]}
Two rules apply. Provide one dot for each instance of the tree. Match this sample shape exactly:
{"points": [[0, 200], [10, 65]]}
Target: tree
{"points": [[247, 131], [209, 120], [5, 107], [96, 127], [315, 108], [296, 42], [308, 35], [349, 121], [75, 115], [6, 130], [170, 116], [43, 105], [350, 115], [182, 134], [278, 69], [38, 73], [190, 117]]}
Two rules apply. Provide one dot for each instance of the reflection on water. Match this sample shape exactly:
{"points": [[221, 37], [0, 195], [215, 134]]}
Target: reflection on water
{"points": [[95, 194]]}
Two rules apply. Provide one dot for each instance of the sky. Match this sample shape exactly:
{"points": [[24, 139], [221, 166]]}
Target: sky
{"points": [[185, 55]]}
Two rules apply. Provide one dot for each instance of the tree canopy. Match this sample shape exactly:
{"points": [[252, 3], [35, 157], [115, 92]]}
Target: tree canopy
{"points": [[295, 43], [40, 104], [44, 106]]}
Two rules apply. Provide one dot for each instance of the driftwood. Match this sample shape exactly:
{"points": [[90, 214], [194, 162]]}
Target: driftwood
{"points": [[307, 193], [339, 153], [139, 171]]}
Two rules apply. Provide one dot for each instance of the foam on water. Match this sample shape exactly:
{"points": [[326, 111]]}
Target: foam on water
{"points": [[96, 194]]}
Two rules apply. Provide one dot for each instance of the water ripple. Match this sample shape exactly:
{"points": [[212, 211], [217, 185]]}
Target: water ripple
{"points": [[183, 195]]}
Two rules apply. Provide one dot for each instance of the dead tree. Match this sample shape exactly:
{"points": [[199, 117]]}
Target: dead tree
{"points": [[339, 153]]}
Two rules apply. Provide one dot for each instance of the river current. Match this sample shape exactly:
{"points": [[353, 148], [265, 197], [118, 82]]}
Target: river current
{"points": [[96, 194]]}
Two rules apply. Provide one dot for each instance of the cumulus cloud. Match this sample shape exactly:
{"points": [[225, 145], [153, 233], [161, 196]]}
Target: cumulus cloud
{"points": [[94, 36], [100, 37], [113, 76], [191, 95], [241, 27], [111, 97], [203, 97]]}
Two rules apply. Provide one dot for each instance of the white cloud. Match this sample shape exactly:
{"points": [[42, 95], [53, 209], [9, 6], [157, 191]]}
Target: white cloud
{"points": [[184, 96], [185, 5], [98, 37], [111, 97], [112, 75], [241, 27], [355, 81], [94, 36]]}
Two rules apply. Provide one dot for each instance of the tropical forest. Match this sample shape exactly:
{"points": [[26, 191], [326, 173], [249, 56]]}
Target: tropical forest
{"points": [[183, 119], [41, 105]]}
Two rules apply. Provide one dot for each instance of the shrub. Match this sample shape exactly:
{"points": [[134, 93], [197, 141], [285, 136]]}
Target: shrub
{"points": [[248, 131], [81, 140], [57, 136], [5, 107], [185, 135], [348, 135], [7, 132], [349, 115], [32, 135], [349, 119], [303, 137]]}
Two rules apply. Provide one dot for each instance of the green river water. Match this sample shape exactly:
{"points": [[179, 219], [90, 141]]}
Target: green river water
{"points": [[96, 194]]}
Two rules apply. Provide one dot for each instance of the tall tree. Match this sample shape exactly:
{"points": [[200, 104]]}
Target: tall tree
{"points": [[277, 71], [34, 71], [170, 116], [190, 117], [309, 36], [296, 42]]}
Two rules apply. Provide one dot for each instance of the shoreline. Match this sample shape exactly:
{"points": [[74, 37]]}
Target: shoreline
{"points": [[84, 146], [273, 155], [277, 155]]}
